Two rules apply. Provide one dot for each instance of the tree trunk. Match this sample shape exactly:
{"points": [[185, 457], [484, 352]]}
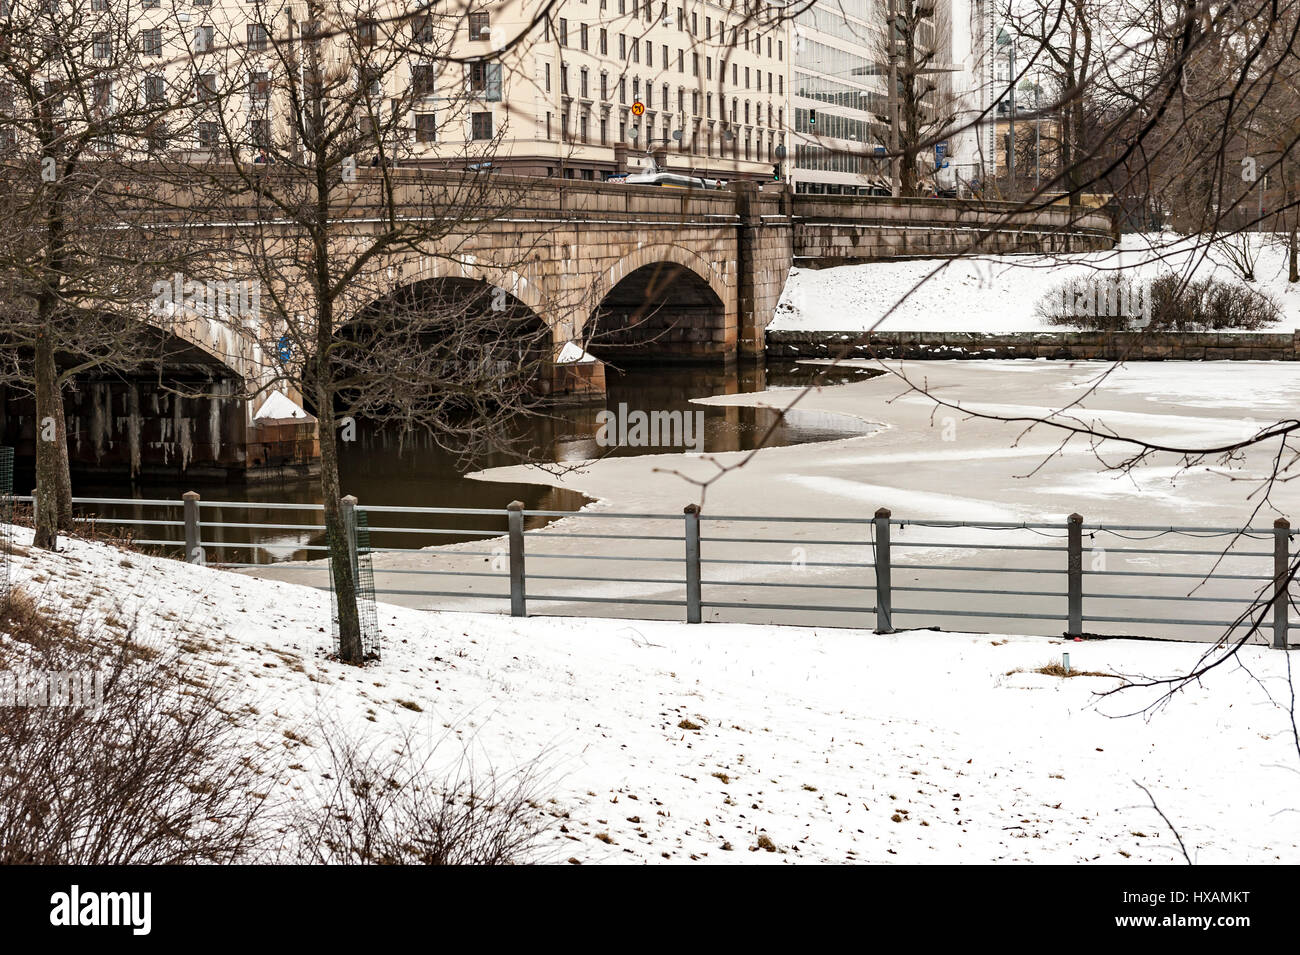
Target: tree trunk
{"points": [[340, 555], [62, 471], [51, 448], [1293, 258]]}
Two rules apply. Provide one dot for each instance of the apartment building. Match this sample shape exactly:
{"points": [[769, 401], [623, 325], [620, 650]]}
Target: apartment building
{"points": [[585, 89], [600, 88]]}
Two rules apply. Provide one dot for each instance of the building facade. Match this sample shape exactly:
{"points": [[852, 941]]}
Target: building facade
{"points": [[601, 88], [839, 99]]}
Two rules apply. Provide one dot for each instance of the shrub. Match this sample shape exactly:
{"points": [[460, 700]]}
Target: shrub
{"points": [[152, 775], [1165, 304], [386, 806]]}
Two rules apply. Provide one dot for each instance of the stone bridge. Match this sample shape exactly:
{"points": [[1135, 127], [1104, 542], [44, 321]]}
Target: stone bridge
{"points": [[626, 272]]}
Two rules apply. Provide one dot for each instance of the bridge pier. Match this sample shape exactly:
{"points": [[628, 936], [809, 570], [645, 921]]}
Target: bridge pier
{"points": [[764, 254]]}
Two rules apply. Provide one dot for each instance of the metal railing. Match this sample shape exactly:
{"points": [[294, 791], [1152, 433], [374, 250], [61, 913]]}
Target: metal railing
{"points": [[695, 563]]}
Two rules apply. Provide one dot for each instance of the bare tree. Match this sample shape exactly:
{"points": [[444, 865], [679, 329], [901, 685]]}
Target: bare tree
{"points": [[82, 114], [385, 324]]}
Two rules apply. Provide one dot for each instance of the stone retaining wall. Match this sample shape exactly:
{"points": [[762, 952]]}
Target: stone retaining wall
{"points": [[1110, 346]]}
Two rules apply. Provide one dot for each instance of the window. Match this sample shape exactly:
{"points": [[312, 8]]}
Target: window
{"points": [[485, 80], [208, 133], [564, 32], [99, 4], [366, 32], [695, 64], [421, 28], [256, 36], [695, 24], [604, 42], [259, 86], [259, 133], [583, 77], [548, 77], [622, 89], [604, 85], [102, 46], [708, 67], [746, 77], [480, 27], [423, 79], [681, 19], [681, 61], [481, 126], [155, 89], [564, 79], [622, 46], [207, 87], [604, 130], [158, 136], [649, 53], [582, 35], [664, 49], [151, 42], [780, 50], [636, 52], [426, 128]]}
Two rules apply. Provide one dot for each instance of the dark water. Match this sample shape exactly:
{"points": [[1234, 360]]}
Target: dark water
{"points": [[381, 469]]}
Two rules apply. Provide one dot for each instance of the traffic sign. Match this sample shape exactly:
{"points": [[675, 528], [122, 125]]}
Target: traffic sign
{"points": [[638, 108]]}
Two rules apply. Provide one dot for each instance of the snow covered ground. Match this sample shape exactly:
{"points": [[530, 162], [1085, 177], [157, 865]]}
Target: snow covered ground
{"points": [[665, 742], [996, 294]]}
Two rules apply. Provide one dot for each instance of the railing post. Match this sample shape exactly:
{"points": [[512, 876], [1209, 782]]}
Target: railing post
{"points": [[884, 599], [692, 535], [1281, 570], [1074, 575], [193, 551], [515, 523], [348, 506]]}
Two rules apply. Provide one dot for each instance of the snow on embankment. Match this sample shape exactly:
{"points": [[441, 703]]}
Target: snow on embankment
{"points": [[667, 742], [1000, 294]]}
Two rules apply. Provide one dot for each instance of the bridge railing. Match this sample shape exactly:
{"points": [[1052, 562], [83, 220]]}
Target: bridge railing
{"points": [[878, 572]]}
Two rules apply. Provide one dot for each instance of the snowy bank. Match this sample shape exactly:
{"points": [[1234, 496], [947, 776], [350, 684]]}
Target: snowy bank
{"points": [[1000, 294], [666, 742]]}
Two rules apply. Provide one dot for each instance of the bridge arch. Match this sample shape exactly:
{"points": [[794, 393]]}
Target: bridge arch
{"points": [[662, 301], [518, 285]]}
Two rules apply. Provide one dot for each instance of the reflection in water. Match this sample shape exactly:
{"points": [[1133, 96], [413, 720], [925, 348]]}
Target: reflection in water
{"points": [[381, 468]]}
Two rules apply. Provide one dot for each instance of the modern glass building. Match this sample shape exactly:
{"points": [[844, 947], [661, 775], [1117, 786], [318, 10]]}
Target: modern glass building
{"points": [[839, 104]]}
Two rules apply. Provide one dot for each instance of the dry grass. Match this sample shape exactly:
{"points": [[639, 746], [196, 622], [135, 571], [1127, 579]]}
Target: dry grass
{"points": [[1056, 669]]}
